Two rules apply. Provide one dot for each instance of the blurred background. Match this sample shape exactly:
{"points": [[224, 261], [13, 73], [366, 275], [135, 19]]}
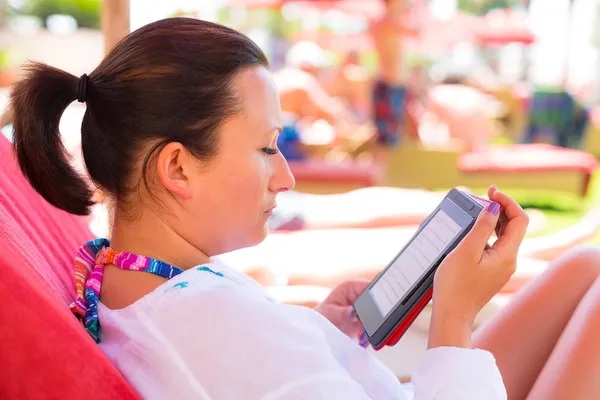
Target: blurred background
{"points": [[502, 92], [513, 37], [483, 76]]}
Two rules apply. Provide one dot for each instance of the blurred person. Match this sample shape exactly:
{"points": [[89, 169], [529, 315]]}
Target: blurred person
{"points": [[301, 92], [458, 115], [353, 84], [556, 117], [309, 110], [389, 91]]}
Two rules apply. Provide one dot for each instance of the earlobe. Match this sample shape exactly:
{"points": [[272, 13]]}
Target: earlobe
{"points": [[172, 164]]}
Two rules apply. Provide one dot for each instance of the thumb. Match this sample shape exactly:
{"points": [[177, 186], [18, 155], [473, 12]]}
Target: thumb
{"points": [[353, 328], [477, 239]]}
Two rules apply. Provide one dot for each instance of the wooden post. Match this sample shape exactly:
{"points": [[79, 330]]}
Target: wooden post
{"points": [[115, 22]]}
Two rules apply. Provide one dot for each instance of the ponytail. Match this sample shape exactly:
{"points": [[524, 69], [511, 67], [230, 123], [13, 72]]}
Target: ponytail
{"points": [[170, 81], [37, 103]]}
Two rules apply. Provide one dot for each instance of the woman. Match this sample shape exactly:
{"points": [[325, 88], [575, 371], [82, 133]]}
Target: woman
{"points": [[182, 117]]}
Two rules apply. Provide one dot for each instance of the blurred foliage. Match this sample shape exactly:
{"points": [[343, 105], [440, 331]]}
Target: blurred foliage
{"points": [[482, 7], [4, 59], [86, 12], [8, 58]]}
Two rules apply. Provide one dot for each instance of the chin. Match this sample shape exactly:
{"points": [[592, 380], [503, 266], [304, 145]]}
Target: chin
{"points": [[255, 238], [261, 234]]}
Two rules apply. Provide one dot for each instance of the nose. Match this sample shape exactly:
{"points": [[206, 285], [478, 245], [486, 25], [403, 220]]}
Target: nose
{"points": [[282, 179]]}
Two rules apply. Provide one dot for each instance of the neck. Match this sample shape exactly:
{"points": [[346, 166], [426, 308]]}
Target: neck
{"points": [[151, 236]]}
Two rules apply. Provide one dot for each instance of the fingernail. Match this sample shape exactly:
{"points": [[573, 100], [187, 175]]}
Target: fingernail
{"points": [[363, 341], [493, 208]]}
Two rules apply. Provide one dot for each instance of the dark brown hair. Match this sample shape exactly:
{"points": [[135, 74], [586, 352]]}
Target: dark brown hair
{"points": [[169, 81]]}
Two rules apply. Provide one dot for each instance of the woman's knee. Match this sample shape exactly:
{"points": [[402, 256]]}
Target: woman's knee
{"points": [[586, 318], [593, 300], [580, 262]]}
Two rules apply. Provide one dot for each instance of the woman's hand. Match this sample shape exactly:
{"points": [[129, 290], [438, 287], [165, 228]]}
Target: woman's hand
{"points": [[337, 308], [474, 272]]}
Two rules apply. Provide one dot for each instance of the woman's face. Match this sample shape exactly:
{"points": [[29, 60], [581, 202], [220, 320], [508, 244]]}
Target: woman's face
{"points": [[231, 197]]}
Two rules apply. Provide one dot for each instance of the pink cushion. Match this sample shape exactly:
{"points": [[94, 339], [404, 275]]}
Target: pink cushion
{"points": [[44, 348], [523, 158], [527, 158], [322, 171]]}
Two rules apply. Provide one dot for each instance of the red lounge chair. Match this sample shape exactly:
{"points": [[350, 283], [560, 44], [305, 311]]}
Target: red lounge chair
{"points": [[44, 351], [534, 167], [316, 176]]}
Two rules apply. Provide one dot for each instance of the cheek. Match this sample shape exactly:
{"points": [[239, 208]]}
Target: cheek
{"points": [[249, 186], [256, 177], [238, 193]]}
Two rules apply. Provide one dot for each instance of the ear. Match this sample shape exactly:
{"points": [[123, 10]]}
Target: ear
{"points": [[173, 167]]}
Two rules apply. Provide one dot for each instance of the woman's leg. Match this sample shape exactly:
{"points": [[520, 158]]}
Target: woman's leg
{"points": [[550, 247], [526, 332], [573, 368]]}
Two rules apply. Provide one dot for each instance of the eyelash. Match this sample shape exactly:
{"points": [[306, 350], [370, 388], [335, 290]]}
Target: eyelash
{"points": [[270, 150]]}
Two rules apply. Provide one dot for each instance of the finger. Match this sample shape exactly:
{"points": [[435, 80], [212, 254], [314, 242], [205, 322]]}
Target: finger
{"points": [[501, 224], [363, 341], [352, 326], [477, 239], [357, 331], [511, 208], [349, 290], [356, 285], [352, 314], [499, 227], [514, 225], [491, 190]]}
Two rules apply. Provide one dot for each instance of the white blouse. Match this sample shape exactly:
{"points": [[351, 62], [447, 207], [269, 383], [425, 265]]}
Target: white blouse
{"points": [[214, 333]]}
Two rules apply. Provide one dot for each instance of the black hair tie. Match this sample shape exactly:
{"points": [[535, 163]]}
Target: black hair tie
{"points": [[82, 88]]}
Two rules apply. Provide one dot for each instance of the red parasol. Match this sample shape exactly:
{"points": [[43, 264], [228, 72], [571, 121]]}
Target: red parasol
{"points": [[367, 8], [502, 27], [496, 28], [253, 3], [436, 35]]}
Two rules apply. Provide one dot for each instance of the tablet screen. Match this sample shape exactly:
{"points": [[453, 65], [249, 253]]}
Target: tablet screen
{"points": [[414, 261]]}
